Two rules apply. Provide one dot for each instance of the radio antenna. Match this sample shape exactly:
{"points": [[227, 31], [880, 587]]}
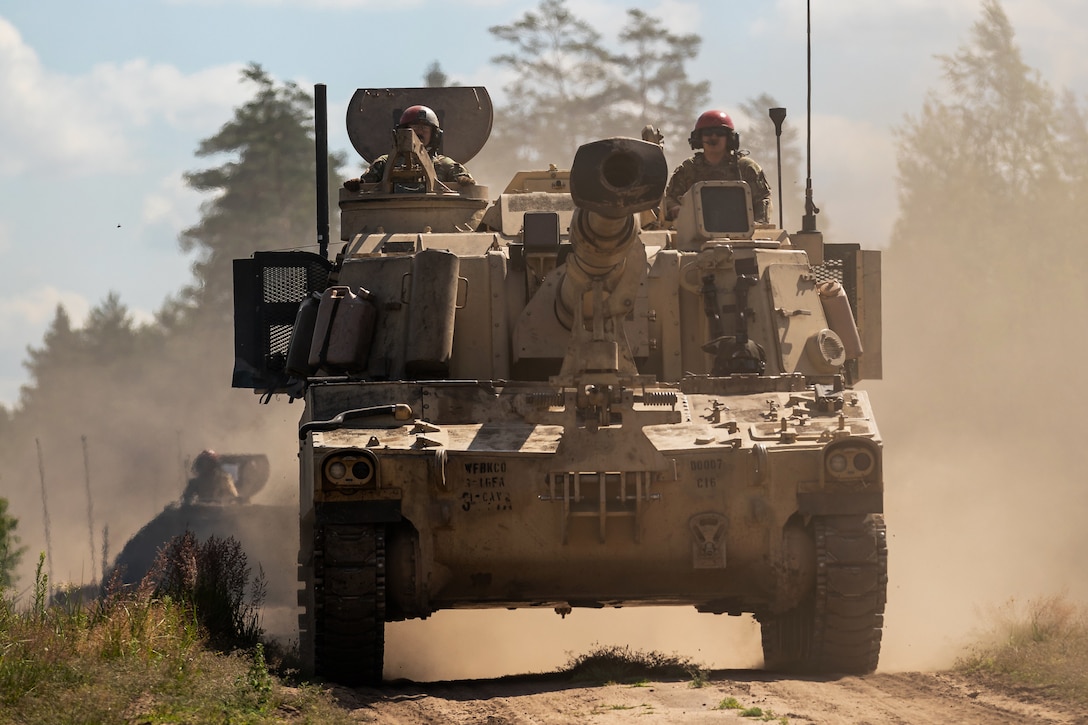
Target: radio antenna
{"points": [[321, 152], [808, 222], [778, 115]]}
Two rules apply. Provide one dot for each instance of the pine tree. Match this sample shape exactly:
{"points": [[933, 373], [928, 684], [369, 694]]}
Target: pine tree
{"points": [[654, 81], [563, 82], [263, 197], [570, 88], [10, 551], [981, 249], [980, 160], [435, 77]]}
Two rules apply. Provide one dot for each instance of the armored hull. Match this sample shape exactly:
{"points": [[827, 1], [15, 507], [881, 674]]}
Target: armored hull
{"points": [[571, 405]]}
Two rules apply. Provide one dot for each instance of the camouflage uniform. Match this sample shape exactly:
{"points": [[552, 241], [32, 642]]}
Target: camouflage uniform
{"points": [[445, 168], [697, 168], [210, 486]]}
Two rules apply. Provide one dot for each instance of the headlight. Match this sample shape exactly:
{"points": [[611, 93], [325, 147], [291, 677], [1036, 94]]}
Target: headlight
{"points": [[351, 469], [851, 460]]}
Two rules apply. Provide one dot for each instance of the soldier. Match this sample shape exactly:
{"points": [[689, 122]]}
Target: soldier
{"points": [[721, 160], [210, 483], [424, 122]]}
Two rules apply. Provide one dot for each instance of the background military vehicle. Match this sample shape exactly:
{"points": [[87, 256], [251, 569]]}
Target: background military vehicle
{"points": [[544, 400], [257, 527]]}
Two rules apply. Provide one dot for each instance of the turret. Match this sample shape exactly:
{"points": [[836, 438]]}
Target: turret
{"points": [[611, 181]]}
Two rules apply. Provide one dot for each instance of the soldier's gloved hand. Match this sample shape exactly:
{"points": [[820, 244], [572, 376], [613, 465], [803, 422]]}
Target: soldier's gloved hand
{"points": [[466, 181], [353, 184]]}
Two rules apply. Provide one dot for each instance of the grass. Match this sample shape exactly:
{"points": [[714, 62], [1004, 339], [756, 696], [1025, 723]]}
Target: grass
{"points": [[621, 664], [147, 655], [1041, 644], [731, 703]]}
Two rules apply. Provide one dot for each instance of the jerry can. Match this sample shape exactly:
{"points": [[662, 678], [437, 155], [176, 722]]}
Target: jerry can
{"points": [[343, 328]]}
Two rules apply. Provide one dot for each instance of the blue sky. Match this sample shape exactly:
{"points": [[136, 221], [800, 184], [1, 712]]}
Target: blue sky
{"points": [[104, 105]]}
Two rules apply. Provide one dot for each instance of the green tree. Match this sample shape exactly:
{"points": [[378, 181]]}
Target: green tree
{"points": [[108, 341], [61, 349], [564, 80], [981, 157], [435, 77], [110, 332], [654, 80], [10, 551], [263, 197], [982, 237], [569, 87]]}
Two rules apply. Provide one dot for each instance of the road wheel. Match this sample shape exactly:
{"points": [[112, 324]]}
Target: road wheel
{"points": [[838, 629]]}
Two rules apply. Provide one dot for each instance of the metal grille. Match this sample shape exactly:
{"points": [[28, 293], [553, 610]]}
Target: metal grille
{"points": [[285, 284], [279, 340], [283, 287], [267, 292]]}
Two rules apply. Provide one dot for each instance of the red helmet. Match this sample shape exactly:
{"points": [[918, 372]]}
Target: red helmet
{"points": [[206, 461], [713, 119], [422, 115], [418, 114]]}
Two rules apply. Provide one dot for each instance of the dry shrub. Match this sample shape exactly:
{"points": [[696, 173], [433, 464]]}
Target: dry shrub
{"points": [[212, 578], [617, 663], [1042, 643]]}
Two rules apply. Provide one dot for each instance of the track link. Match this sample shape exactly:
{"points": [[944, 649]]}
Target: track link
{"points": [[349, 602], [839, 629]]}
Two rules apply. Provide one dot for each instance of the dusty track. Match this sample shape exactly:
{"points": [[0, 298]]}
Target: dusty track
{"points": [[905, 697]]}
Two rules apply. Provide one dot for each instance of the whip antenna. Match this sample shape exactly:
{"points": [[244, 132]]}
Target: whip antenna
{"points": [[808, 223]]}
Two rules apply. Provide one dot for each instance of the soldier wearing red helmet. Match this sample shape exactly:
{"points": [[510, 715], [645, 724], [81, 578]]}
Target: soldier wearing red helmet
{"points": [[718, 158], [210, 483], [424, 122]]}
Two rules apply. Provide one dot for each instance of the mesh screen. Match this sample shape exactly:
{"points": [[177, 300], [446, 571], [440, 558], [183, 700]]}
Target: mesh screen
{"points": [[284, 284], [283, 287], [279, 339]]}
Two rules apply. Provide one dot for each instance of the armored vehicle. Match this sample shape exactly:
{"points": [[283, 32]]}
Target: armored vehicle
{"points": [[251, 524], [548, 399]]}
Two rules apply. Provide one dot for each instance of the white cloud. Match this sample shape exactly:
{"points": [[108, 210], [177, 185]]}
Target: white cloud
{"points": [[173, 203], [35, 310], [77, 125], [140, 93], [320, 4]]}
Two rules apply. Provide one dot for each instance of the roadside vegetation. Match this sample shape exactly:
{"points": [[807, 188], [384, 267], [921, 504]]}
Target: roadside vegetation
{"points": [[182, 646], [1038, 645], [622, 665]]}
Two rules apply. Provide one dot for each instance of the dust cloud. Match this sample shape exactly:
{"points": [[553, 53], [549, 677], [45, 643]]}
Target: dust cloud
{"points": [[980, 410], [143, 424], [492, 643]]}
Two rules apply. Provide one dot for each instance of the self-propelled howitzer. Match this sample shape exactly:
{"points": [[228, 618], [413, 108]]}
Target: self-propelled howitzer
{"points": [[549, 400]]}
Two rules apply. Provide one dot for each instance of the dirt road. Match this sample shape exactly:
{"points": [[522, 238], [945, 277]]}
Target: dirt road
{"points": [[904, 697]]}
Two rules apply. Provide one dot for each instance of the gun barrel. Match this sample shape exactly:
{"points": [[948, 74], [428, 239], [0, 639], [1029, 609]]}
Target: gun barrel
{"points": [[617, 177], [611, 180]]}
